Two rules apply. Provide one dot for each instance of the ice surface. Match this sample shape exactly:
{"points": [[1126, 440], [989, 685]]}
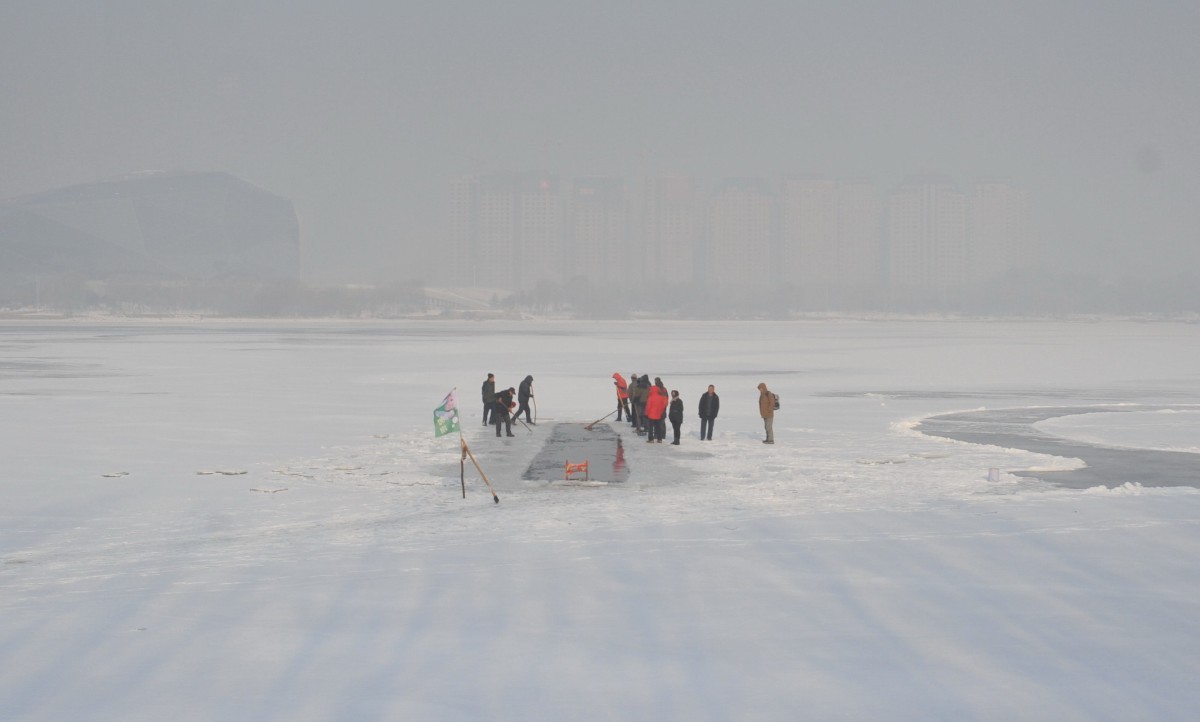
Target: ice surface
{"points": [[1161, 429], [1099, 465], [329, 568]]}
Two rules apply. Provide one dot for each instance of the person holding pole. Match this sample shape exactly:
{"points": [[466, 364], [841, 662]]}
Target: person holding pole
{"points": [[500, 411], [623, 395], [525, 392], [639, 395]]}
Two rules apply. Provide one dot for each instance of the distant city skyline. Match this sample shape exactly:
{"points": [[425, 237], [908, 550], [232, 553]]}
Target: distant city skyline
{"points": [[832, 240], [361, 113]]}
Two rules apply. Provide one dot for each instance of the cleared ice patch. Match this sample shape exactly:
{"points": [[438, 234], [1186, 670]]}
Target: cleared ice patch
{"points": [[600, 447]]}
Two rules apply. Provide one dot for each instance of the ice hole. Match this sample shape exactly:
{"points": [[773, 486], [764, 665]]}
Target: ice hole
{"points": [[600, 446]]}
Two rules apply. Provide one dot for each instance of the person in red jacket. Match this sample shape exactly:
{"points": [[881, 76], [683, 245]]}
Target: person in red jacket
{"points": [[623, 396], [656, 411]]}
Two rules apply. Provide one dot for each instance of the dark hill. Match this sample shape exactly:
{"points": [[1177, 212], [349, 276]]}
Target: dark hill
{"points": [[194, 226]]}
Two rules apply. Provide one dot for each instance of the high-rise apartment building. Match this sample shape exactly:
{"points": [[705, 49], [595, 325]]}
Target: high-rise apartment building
{"points": [[507, 230], [539, 232], [999, 229], [809, 214], [496, 250], [742, 227], [598, 231], [461, 232], [927, 240], [830, 239], [861, 228], [670, 225]]}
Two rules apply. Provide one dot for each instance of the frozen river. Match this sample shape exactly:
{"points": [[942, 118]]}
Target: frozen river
{"points": [[254, 521]]}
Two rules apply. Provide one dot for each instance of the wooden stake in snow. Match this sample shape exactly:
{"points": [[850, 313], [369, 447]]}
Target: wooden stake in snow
{"points": [[467, 452]]}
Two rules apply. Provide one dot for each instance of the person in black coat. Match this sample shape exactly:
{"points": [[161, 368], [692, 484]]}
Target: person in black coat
{"points": [[488, 393], [500, 411], [525, 392], [675, 415], [709, 405]]}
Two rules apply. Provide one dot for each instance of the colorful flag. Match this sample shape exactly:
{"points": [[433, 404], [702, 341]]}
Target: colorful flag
{"points": [[446, 416]]}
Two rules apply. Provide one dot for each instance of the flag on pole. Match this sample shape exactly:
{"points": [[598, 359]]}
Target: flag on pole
{"points": [[446, 416]]}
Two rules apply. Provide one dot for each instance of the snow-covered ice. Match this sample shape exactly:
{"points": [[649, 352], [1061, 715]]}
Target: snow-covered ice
{"points": [[253, 521], [1160, 430]]}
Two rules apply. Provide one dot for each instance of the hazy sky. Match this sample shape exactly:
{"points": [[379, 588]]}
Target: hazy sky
{"points": [[361, 112]]}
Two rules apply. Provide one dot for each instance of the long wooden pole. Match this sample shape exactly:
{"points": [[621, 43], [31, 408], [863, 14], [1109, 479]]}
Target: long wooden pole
{"points": [[467, 450], [462, 464], [621, 403], [594, 423], [462, 453]]}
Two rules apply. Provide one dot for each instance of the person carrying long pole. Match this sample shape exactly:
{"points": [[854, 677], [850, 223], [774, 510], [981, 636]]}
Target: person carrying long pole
{"points": [[525, 392], [623, 395]]}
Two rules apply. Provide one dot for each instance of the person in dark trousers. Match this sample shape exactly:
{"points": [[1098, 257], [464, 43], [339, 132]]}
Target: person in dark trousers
{"points": [[656, 411], [707, 410], [488, 392], [675, 415], [623, 395], [767, 409], [500, 411], [633, 395], [525, 392], [639, 392]]}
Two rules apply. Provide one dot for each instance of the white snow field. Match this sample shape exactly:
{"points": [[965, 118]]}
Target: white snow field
{"points": [[217, 520]]}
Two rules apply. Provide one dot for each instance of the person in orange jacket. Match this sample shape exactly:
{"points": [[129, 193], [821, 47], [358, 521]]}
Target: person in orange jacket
{"points": [[623, 395], [656, 412]]}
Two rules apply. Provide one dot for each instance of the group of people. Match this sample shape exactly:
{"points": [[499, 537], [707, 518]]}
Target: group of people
{"points": [[648, 407], [499, 405], [645, 405]]}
